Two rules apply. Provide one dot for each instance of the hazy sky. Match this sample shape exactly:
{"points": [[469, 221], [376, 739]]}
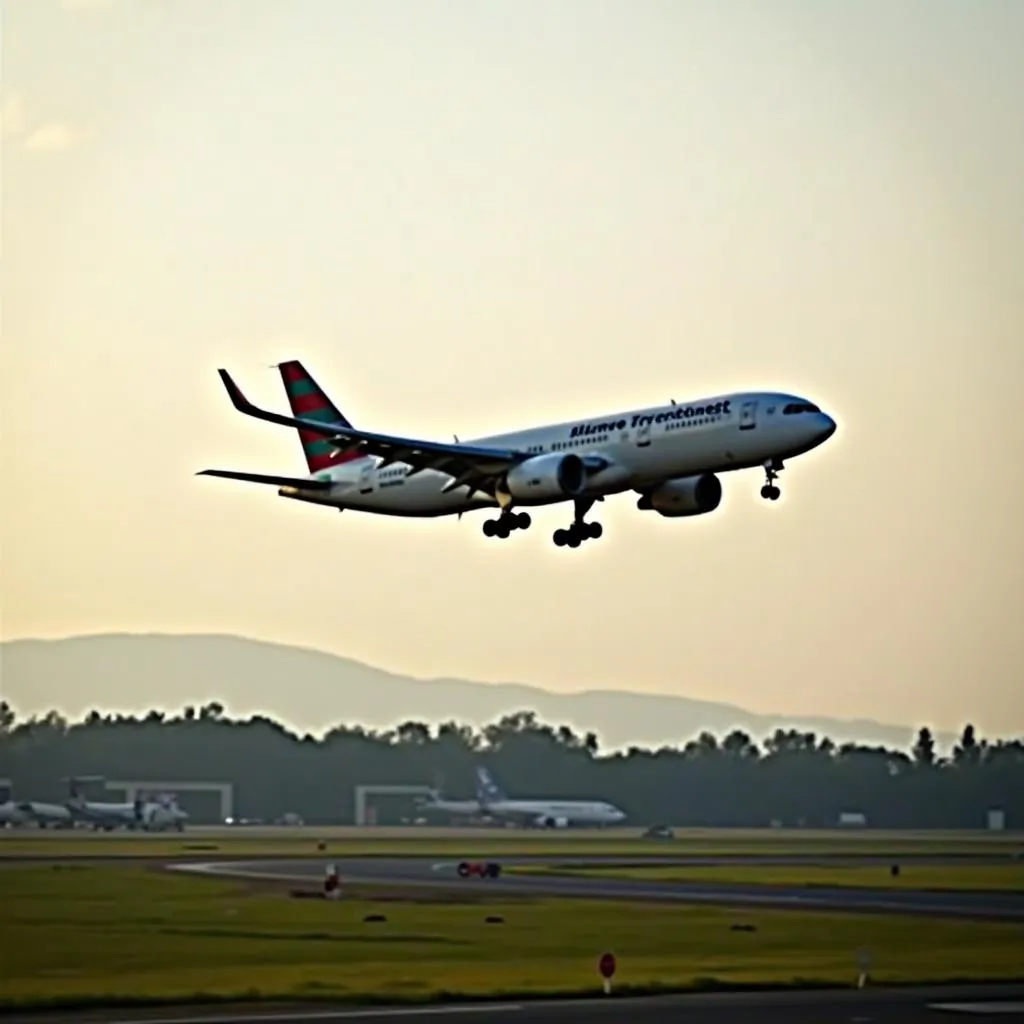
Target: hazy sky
{"points": [[479, 216]]}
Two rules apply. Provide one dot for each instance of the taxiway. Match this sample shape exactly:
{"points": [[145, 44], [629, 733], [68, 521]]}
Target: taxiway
{"points": [[868, 1006], [425, 872]]}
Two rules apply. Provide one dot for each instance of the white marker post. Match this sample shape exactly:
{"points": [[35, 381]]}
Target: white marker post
{"points": [[606, 965], [864, 966]]}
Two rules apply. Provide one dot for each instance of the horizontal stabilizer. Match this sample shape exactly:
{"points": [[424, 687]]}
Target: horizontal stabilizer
{"points": [[303, 483]]}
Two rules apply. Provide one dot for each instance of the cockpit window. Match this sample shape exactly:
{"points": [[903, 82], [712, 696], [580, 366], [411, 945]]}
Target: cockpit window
{"points": [[797, 407]]}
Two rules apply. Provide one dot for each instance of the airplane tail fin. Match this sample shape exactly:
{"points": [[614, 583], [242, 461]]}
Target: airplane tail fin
{"points": [[487, 792], [309, 401]]}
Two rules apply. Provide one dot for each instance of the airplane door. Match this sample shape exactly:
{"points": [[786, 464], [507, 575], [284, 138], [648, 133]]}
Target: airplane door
{"points": [[366, 478], [748, 415], [643, 436]]}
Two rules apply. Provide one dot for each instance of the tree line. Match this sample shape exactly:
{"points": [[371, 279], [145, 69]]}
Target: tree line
{"points": [[791, 777]]}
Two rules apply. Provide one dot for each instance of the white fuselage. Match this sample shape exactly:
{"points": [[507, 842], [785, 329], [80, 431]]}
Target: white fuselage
{"points": [[149, 815], [644, 448], [11, 814], [558, 812], [454, 808], [42, 814]]}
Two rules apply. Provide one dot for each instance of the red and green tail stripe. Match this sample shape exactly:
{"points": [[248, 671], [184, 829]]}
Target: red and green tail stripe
{"points": [[308, 401]]}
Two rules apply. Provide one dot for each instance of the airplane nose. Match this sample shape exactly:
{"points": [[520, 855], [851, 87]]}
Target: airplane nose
{"points": [[828, 427]]}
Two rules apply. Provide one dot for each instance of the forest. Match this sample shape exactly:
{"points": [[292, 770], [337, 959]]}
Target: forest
{"points": [[791, 777]]}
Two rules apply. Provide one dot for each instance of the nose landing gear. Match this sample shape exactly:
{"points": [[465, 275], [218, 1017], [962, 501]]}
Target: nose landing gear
{"points": [[770, 492], [506, 523]]}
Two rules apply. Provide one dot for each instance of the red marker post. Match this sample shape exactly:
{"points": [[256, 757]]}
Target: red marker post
{"points": [[606, 965], [331, 883]]}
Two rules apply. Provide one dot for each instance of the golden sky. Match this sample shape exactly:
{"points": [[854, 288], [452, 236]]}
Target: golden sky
{"points": [[473, 218]]}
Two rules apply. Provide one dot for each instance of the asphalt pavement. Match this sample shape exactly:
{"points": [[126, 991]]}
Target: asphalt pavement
{"points": [[845, 1006], [420, 871]]}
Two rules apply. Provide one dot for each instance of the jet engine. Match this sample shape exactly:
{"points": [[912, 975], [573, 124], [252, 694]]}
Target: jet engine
{"points": [[684, 496], [546, 821], [548, 477]]}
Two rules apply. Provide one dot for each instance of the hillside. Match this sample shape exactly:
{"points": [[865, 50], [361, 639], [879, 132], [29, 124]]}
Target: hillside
{"points": [[311, 690]]}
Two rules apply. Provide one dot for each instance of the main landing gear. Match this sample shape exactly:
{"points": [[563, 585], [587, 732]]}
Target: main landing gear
{"points": [[506, 523], [580, 531], [770, 491]]}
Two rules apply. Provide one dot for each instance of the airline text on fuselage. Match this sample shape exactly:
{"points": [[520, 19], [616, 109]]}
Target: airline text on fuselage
{"points": [[676, 412]]}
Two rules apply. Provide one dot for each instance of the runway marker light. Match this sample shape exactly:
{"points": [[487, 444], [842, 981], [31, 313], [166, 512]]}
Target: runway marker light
{"points": [[606, 966]]}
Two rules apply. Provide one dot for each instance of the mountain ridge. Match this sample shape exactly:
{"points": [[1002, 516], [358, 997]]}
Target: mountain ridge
{"points": [[249, 676]]}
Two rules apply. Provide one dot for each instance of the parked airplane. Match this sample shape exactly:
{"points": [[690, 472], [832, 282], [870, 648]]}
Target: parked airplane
{"points": [[45, 815], [669, 455], [437, 804], [10, 814], [543, 813], [148, 815], [25, 812]]}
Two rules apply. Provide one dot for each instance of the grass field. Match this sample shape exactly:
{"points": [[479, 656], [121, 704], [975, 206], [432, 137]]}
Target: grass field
{"points": [[273, 842], [939, 878], [79, 933]]}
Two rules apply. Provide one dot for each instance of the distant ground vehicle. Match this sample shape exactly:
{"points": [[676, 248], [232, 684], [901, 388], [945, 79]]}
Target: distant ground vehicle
{"points": [[659, 832], [479, 869]]}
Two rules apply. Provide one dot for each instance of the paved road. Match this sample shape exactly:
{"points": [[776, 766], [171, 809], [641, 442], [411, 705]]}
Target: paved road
{"points": [[421, 871], [847, 1006]]}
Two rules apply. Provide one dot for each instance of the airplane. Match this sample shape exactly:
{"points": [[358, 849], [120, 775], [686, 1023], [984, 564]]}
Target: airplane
{"points": [[23, 812], [543, 813], [670, 455], [11, 814], [437, 804], [148, 815], [45, 815]]}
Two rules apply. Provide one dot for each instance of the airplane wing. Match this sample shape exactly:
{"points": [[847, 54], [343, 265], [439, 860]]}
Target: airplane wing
{"points": [[474, 466]]}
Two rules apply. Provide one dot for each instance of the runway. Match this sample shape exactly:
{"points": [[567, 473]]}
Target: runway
{"points": [[428, 872], [847, 1006]]}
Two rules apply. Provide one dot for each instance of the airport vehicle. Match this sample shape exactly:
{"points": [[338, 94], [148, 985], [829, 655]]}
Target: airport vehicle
{"points": [[669, 455], [543, 813], [479, 869]]}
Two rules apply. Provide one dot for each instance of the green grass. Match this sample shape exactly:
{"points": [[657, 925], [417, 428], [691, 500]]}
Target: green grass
{"points": [[92, 933], [956, 877], [479, 842]]}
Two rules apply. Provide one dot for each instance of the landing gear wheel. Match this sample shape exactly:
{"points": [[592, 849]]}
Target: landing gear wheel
{"points": [[579, 531], [770, 491], [576, 534], [506, 523]]}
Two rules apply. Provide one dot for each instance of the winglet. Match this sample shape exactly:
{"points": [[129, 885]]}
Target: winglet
{"points": [[238, 400], [247, 408]]}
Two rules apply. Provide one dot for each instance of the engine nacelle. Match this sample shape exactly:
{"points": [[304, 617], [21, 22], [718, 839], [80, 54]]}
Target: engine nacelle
{"points": [[547, 821], [685, 496], [548, 477]]}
